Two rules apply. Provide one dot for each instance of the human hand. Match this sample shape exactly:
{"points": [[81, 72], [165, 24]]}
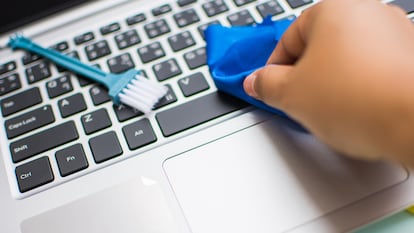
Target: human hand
{"points": [[345, 70]]}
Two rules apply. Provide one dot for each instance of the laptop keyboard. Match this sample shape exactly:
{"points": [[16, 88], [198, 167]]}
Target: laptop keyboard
{"points": [[60, 126]]}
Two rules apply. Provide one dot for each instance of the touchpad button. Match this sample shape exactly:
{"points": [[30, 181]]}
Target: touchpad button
{"points": [[138, 205]]}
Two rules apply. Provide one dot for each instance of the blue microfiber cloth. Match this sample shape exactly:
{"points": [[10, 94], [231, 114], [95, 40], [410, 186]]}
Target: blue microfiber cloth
{"points": [[235, 52]]}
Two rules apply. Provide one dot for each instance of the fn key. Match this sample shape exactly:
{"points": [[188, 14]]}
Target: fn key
{"points": [[34, 174]]}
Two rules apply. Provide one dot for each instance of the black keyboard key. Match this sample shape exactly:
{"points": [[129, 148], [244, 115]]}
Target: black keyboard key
{"points": [[59, 86], [168, 98], [242, 2], [216, 7], [120, 63], [9, 83], [182, 3], [29, 121], [38, 72], [138, 18], [269, 8], [20, 101], [97, 50], [73, 54], [34, 174], [124, 113], [157, 28], [181, 41], [7, 67], [61, 46], [99, 94], [196, 58], [88, 36], [196, 112], [166, 69], [105, 147], [113, 27], [151, 52], [127, 39], [43, 141], [29, 58], [186, 18], [193, 84], [83, 81], [204, 26], [161, 10], [139, 134], [241, 18], [406, 5], [143, 73], [71, 105], [95, 121], [298, 3], [71, 159]]}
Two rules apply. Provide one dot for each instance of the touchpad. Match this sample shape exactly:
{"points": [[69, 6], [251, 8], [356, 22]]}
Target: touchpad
{"points": [[269, 178], [137, 205]]}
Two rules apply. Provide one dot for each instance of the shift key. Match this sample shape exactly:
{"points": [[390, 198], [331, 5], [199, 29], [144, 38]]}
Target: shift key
{"points": [[43, 141]]}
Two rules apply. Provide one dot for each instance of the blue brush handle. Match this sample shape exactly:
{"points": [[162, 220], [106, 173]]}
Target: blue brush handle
{"points": [[65, 61]]}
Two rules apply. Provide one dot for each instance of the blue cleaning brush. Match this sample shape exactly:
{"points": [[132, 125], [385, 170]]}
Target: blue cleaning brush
{"points": [[129, 88]]}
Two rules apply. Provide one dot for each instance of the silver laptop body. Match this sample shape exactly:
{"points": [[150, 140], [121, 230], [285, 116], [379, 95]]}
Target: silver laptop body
{"points": [[202, 161]]}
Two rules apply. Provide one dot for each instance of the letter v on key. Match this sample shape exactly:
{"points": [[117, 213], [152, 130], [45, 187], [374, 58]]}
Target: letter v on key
{"points": [[185, 81]]}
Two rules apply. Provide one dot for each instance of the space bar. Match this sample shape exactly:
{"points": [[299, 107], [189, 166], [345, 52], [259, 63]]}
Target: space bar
{"points": [[197, 112]]}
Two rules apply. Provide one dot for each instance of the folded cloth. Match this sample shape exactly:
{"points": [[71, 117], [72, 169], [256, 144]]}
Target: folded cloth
{"points": [[235, 52]]}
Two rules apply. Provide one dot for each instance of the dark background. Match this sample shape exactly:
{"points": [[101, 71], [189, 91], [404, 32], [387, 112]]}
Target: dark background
{"points": [[16, 13]]}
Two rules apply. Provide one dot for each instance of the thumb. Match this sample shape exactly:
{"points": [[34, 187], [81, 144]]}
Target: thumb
{"points": [[269, 84]]}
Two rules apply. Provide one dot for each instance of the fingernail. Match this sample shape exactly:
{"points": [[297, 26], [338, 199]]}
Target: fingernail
{"points": [[248, 85]]}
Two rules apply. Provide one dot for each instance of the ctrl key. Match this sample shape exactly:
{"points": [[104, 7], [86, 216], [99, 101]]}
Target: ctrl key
{"points": [[34, 174]]}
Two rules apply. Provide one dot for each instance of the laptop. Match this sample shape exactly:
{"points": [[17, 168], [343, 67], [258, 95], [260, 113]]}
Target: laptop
{"points": [[201, 162]]}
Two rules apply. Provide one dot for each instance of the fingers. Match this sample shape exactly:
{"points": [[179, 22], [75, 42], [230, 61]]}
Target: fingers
{"points": [[269, 84], [293, 42], [266, 84]]}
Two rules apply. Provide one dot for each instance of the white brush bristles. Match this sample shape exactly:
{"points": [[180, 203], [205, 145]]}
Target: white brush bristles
{"points": [[142, 94]]}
